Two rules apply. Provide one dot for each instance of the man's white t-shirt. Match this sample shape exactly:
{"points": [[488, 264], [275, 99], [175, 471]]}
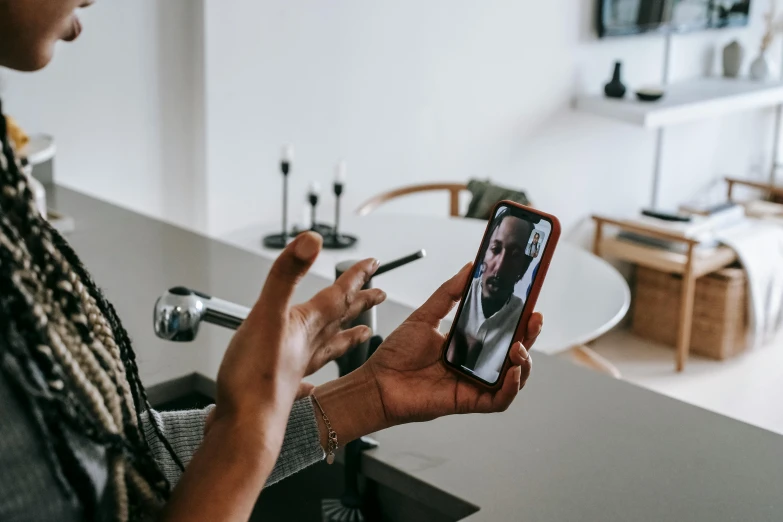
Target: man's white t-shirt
{"points": [[495, 332]]}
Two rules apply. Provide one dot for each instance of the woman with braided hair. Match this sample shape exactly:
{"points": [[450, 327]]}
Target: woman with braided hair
{"points": [[78, 439]]}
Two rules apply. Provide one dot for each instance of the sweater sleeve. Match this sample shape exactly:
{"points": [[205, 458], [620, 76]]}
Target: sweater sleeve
{"points": [[185, 431]]}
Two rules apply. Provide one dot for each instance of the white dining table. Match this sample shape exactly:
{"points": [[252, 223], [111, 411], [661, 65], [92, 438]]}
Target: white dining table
{"points": [[583, 296]]}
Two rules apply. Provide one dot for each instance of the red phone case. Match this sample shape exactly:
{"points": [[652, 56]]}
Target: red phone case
{"points": [[530, 303]]}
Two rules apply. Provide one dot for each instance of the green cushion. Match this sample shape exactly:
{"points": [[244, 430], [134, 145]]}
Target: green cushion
{"points": [[485, 195]]}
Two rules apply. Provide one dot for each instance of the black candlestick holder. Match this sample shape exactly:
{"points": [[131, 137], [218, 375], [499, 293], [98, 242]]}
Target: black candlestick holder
{"points": [[333, 239], [281, 240], [336, 240], [323, 229]]}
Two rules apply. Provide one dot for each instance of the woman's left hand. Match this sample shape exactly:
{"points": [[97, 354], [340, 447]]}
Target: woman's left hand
{"points": [[407, 381], [414, 383]]}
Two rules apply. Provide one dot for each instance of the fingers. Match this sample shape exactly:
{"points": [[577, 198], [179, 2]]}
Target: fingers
{"points": [[363, 301], [521, 358], [357, 276], [518, 354], [534, 327], [444, 299], [287, 270], [337, 346], [515, 379], [344, 297], [305, 390], [508, 392]]}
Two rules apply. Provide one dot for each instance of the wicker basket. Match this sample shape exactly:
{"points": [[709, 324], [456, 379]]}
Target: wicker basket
{"points": [[719, 311]]}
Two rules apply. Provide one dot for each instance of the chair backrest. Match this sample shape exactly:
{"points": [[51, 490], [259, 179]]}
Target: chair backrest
{"points": [[486, 195], [774, 192], [453, 189]]}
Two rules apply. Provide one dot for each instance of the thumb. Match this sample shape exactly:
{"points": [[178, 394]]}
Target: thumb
{"points": [[444, 298], [288, 269]]}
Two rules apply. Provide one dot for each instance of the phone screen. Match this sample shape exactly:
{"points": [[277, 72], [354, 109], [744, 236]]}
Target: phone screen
{"points": [[503, 276]]}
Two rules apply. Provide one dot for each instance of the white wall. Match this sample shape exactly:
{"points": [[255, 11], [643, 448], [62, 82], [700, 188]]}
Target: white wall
{"points": [[121, 104], [416, 90], [178, 108]]}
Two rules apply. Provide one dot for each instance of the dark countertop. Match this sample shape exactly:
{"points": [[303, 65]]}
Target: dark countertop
{"points": [[575, 445]]}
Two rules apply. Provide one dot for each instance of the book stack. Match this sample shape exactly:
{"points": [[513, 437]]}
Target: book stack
{"points": [[702, 228]]}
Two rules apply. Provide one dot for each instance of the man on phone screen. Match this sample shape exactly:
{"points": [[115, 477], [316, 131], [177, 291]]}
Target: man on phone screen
{"points": [[491, 311]]}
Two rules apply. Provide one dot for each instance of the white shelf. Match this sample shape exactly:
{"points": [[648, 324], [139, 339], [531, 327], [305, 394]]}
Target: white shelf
{"points": [[39, 149], [688, 101]]}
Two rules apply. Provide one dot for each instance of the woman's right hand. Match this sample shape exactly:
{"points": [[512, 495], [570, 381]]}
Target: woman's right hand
{"points": [[278, 344], [262, 369]]}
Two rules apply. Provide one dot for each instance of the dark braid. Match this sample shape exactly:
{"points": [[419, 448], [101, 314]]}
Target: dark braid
{"points": [[67, 355], [140, 400]]}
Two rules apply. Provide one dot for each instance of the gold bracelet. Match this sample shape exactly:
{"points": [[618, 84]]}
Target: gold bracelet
{"points": [[332, 435]]}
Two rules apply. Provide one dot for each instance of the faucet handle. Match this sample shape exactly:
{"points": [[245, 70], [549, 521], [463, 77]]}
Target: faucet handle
{"points": [[179, 312]]}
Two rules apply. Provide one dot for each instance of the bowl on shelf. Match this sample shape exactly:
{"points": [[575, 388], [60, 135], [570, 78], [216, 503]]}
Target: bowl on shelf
{"points": [[650, 94], [39, 149]]}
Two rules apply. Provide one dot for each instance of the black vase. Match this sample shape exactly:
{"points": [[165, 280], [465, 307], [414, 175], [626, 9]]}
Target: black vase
{"points": [[615, 88]]}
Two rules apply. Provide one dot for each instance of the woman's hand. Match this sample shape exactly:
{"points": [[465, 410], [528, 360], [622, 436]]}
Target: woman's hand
{"points": [[407, 381], [277, 345], [262, 369], [344, 301], [414, 383]]}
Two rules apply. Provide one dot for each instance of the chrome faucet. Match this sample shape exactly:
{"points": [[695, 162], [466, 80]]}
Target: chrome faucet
{"points": [[180, 311]]}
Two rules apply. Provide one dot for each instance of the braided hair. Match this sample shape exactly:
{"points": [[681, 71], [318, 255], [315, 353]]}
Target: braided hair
{"points": [[65, 352]]}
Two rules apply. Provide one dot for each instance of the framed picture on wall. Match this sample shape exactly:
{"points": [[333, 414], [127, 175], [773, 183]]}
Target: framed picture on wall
{"points": [[627, 17]]}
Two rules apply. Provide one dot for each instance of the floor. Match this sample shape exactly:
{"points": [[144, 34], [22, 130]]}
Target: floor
{"points": [[747, 388]]}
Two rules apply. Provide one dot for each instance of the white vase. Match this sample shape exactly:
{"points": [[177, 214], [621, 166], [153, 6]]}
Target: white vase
{"points": [[761, 68]]}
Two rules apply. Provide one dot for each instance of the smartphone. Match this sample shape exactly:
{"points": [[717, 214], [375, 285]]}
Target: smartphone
{"points": [[501, 293]]}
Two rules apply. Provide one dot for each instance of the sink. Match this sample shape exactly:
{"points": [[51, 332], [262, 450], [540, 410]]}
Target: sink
{"points": [[298, 498]]}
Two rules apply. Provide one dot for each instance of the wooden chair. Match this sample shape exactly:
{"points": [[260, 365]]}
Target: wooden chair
{"points": [[773, 192], [453, 189], [768, 207]]}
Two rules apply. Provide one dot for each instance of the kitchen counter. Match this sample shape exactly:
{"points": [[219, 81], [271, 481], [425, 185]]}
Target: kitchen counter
{"points": [[574, 446]]}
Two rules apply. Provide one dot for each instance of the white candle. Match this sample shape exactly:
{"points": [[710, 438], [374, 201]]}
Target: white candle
{"points": [[314, 189], [341, 172], [287, 156]]}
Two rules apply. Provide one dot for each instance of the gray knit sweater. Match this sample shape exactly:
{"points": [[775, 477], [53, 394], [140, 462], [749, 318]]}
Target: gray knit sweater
{"points": [[29, 490]]}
